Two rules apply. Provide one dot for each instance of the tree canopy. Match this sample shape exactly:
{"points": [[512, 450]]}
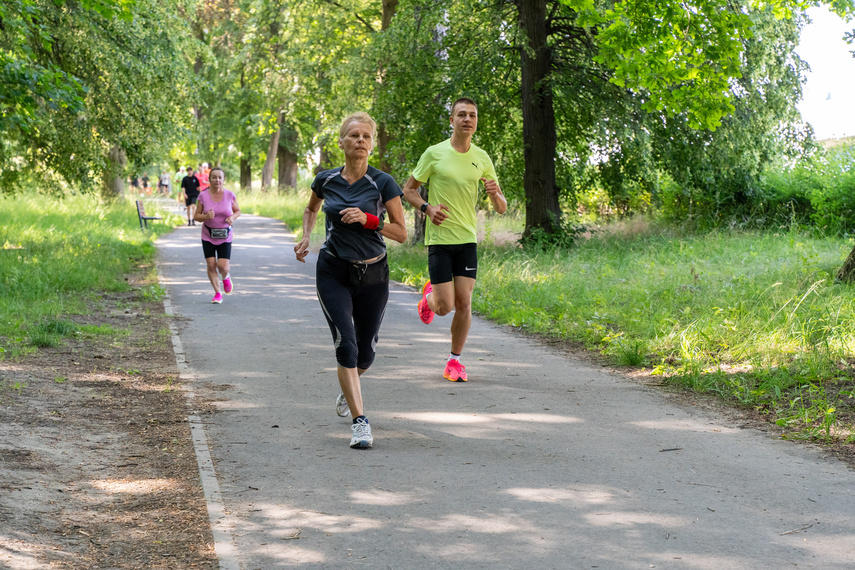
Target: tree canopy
{"points": [[82, 77], [650, 101]]}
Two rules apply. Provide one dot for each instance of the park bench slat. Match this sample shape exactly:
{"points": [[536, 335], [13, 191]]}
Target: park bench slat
{"points": [[143, 218]]}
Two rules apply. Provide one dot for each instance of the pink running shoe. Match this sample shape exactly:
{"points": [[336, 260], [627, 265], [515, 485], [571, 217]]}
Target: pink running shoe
{"points": [[455, 372], [218, 298], [227, 285], [425, 313]]}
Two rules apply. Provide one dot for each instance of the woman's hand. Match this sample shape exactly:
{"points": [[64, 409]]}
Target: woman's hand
{"points": [[353, 216], [302, 249]]}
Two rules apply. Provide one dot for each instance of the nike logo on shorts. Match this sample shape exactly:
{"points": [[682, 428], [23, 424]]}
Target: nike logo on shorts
{"points": [[470, 268]]}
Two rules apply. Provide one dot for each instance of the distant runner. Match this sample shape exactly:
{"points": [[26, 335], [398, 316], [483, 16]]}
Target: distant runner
{"points": [[218, 210]]}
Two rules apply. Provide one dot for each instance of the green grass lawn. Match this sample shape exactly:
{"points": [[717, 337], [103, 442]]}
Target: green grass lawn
{"points": [[59, 254]]}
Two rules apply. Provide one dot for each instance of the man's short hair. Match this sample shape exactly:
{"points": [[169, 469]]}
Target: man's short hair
{"points": [[466, 100]]}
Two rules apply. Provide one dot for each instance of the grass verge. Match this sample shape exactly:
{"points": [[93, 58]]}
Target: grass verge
{"points": [[56, 256], [754, 317]]}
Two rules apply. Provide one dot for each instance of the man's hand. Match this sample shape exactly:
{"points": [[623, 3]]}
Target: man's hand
{"points": [[492, 187], [494, 193], [437, 214]]}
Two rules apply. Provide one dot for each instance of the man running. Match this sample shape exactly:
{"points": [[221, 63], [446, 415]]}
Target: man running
{"points": [[190, 189], [453, 169]]}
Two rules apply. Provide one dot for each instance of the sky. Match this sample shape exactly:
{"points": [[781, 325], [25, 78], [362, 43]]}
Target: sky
{"points": [[829, 95]]}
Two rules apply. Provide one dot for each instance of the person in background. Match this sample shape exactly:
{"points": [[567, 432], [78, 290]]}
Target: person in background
{"points": [[180, 174], [218, 209], [164, 183], [190, 190], [352, 272], [202, 174]]}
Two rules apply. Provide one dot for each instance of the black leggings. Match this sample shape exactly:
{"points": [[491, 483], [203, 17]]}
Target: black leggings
{"points": [[354, 313]]}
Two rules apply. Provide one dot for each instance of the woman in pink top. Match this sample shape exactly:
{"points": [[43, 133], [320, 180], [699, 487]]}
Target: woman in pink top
{"points": [[217, 210]]}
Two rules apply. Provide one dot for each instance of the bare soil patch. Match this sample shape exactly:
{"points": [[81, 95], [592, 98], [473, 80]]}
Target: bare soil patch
{"points": [[97, 466]]}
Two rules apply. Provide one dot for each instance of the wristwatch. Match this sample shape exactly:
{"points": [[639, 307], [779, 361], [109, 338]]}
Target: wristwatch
{"points": [[423, 207]]}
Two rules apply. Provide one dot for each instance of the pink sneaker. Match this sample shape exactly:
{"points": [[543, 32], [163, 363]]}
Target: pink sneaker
{"points": [[455, 372], [425, 313], [227, 285], [217, 299]]}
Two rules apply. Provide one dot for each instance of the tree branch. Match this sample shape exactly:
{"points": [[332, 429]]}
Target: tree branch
{"points": [[355, 15]]}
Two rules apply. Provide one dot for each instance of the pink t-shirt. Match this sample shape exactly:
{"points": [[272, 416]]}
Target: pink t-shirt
{"points": [[222, 210]]}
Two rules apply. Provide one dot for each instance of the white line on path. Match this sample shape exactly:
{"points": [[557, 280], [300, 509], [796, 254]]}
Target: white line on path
{"points": [[221, 525]]}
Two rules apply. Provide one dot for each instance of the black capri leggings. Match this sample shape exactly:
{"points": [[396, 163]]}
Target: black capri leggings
{"points": [[354, 313]]}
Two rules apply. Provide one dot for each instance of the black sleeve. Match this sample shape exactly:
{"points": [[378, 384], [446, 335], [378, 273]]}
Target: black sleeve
{"points": [[389, 189], [317, 187]]}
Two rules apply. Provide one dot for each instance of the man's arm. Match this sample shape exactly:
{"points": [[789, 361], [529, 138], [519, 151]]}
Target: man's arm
{"points": [[411, 193], [494, 193], [436, 214]]}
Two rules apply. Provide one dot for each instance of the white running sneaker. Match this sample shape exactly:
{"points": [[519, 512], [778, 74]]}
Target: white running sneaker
{"points": [[341, 407], [361, 435]]}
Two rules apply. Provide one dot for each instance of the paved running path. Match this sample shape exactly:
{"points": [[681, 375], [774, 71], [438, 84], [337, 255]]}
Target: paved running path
{"points": [[539, 461]]}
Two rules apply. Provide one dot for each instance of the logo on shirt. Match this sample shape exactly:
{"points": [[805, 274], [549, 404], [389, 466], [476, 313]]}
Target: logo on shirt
{"points": [[475, 165]]}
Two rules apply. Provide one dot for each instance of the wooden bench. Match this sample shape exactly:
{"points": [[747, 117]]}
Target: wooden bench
{"points": [[143, 218]]}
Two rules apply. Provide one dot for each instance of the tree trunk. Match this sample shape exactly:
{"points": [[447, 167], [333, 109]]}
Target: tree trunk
{"points": [[245, 174], [419, 219], [847, 272], [114, 174], [288, 161], [272, 152], [197, 110], [539, 138], [389, 9], [383, 136], [323, 161], [383, 140]]}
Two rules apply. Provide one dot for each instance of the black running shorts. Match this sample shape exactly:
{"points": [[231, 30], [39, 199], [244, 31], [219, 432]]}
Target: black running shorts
{"points": [[222, 251], [448, 261]]}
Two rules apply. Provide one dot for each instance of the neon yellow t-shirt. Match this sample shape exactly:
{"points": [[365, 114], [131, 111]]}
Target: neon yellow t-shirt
{"points": [[453, 178]]}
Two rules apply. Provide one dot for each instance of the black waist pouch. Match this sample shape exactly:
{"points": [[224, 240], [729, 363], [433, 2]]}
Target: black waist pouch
{"points": [[363, 274], [218, 233]]}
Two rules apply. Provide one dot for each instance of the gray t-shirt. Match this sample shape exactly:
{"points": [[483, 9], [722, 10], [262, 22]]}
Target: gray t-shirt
{"points": [[370, 194]]}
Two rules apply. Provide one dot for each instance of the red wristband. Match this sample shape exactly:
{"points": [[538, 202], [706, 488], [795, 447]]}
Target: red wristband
{"points": [[371, 221]]}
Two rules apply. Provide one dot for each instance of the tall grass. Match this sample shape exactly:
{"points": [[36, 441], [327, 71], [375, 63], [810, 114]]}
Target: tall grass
{"points": [[285, 206], [753, 316], [56, 255]]}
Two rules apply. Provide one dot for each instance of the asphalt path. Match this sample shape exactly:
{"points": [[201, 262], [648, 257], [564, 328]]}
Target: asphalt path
{"points": [[539, 461]]}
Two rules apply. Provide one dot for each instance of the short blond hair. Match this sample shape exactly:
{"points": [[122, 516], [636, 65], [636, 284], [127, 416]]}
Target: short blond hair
{"points": [[360, 117]]}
